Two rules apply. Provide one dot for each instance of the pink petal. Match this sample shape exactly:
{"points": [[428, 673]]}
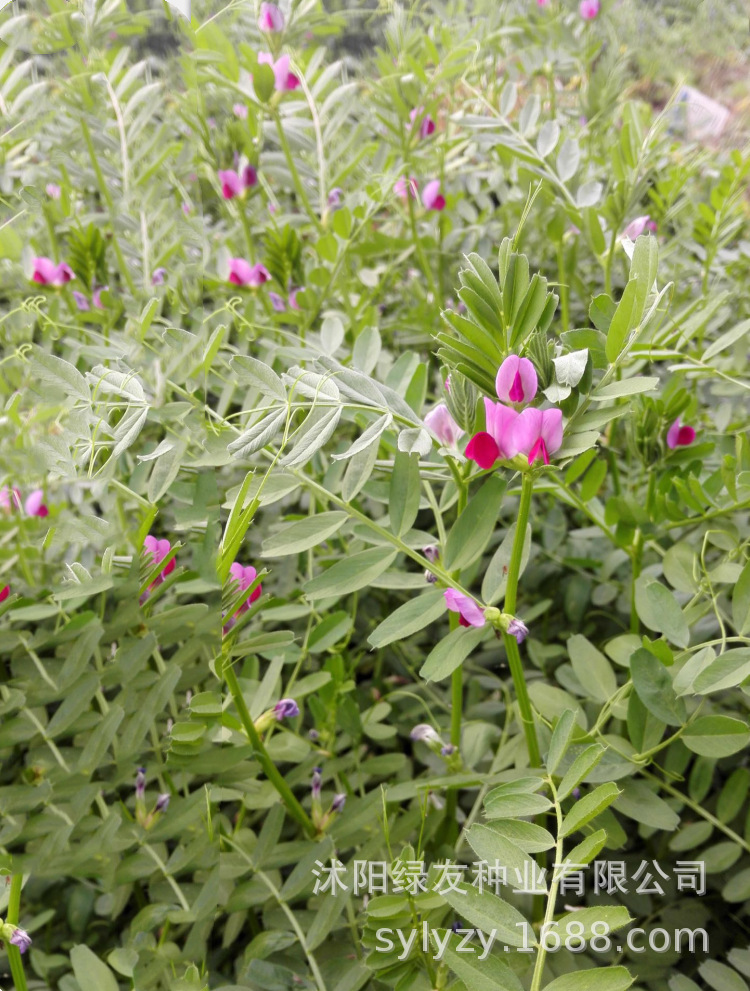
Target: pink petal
{"points": [[500, 421], [636, 227], [231, 184], [34, 505], [63, 273], [45, 271], [482, 449], [240, 272], [536, 450], [4, 593], [516, 380], [442, 424], [271, 18], [673, 434], [249, 176], [527, 429], [466, 607], [552, 430], [431, 197], [679, 435], [686, 436]]}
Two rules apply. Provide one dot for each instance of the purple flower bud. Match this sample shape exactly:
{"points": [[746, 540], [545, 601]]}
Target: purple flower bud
{"points": [[424, 733], [21, 939], [140, 784], [334, 197], [162, 802], [430, 578], [576, 793], [277, 302], [158, 276], [81, 302], [518, 629], [447, 750], [313, 734], [338, 802], [316, 782], [432, 552], [286, 709], [455, 926]]}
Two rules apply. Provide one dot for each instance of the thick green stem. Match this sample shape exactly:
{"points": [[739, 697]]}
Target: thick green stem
{"points": [[296, 178], [270, 769], [14, 954], [511, 645], [549, 915]]}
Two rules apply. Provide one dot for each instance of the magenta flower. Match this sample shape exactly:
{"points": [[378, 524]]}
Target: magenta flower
{"points": [[542, 3], [432, 199], [159, 276], [404, 188], [157, 550], [240, 110], [10, 498], [293, 304], [4, 593], [53, 190], [245, 576], [442, 424], [538, 433], [286, 709], [271, 18], [284, 80], [469, 613], [636, 227], [427, 125], [589, 9], [335, 196], [679, 435], [237, 183], [498, 441], [516, 380], [242, 273], [21, 939], [47, 273], [34, 505]]}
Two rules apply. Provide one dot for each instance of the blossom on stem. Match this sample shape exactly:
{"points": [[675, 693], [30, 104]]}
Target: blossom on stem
{"points": [[48, 273], [292, 300], [34, 504], [10, 498], [498, 440], [589, 9], [271, 18], [317, 779], [679, 435], [277, 302], [4, 593], [237, 183], [158, 277], [284, 80], [53, 190], [158, 550], [442, 424], [637, 226], [431, 552], [162, 802], [242, 273], [427, 124], [518, 629], [432, 199], [516, 380], [338, 802], [469, 613], [20, 938], [448, 750], [140, 784], [285, 709], [335, 196], [538, 433], [424, 733], [404, 188], [244, 576]]}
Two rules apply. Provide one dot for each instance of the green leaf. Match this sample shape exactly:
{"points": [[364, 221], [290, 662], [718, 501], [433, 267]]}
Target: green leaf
{"points": [[496, 576], [452, 650], [624, 319], [592, 669], [637, 801], [259, 375], [412, 616], [490, 974], [615, 916], [351, 573], [514, 805], [488, 911], [561, 736], [716, 736], [595, 979], [48, 368], [727, 671], [404, 493], [679, 565], [584, 763], [720, 977], [626, 387], [587, 849], [526, 835], [90, 972], [492, 846], [588, 807], [471, 532], [741, 602], [653, 685], [301, 535], [658, 609], [316, 431]]}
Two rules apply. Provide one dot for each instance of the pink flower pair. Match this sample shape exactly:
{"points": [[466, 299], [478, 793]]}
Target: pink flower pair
{"points": [[157, 550], [284, 79], [679, 435], [48, 273], [10, 499], [242, 273], [534, 432], [243, 577], [235, 184], [432, 198], [426, 123]]}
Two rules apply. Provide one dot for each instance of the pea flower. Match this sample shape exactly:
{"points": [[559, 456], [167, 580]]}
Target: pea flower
{"points": [[427, 125], [271, 18], [140, 784], [339, 800], [17, 937], [10, 498], [48, 273], [317, 780], [335, 196], [679, 435], [538, 433], [424, 733], [240, 111], [498, 440], [516, 380], [237, 183], [293, 304], [404, 188], [157, 550], [589, 9], [277, 302], [448, 750], [242, 273], [162, 802], [245, 576], [469, 613], [158, 277], [432, 199], [53, 190], [285, 709], [507, 623], [4, 593], [542, 3], [442, 424], [518, 629], [285, 80], [637, 226]]}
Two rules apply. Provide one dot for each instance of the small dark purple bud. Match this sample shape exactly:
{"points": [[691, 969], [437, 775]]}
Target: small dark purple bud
{"points": [[447, 750], [455, 926], [338, 803], [518, 629], [334, 197], [576, 793], [286, 709], [140, 783], [162, 802], [430, 578], [21, 939], [313, 734], [432, 553], [316, 782]]}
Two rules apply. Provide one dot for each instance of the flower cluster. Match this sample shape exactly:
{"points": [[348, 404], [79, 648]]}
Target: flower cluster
{"points": [[432, 198], [33, 505]]}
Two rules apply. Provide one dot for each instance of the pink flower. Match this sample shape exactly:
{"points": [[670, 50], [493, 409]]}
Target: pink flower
{"points": [[516, 380], [81, 301], [10, 498], [293, 304], [271, 18], [468, 611], [542, 3], [34, 505], [335, 196], [442, 424], [636, 227], [234, 183], [158, 277], [157, 550], [4, 593], [244, 578], [404, 188], [589, 9], [431, 197], [240, 110], [679, 436], [47, 273], [427, 126], [53, 190], [538, 433], [498, 441], [285, 81], [242, 273], [277, 302]]}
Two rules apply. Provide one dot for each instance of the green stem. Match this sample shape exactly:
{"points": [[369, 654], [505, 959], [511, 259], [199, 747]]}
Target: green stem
{"points": [[563, 287], [271, 771], [536, 980], [14, 954], [296, 179], [637, 557], [511, 645]]}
